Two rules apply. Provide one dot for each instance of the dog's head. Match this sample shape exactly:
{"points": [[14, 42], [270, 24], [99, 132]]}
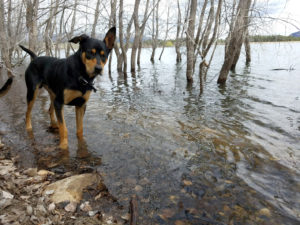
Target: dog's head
{"points": [[94, 53]]}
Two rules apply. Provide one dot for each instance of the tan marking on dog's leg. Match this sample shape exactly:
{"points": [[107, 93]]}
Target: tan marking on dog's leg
{"points": [[63, 132], [79, 120], [29, 109], [53, 123], [80, 111]]}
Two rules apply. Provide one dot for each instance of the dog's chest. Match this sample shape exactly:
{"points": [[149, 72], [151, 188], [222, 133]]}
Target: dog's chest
{"points": [[75, 97]]}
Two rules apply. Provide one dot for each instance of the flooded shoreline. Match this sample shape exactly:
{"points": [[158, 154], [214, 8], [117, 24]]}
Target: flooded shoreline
{"points": [[228, 155]]}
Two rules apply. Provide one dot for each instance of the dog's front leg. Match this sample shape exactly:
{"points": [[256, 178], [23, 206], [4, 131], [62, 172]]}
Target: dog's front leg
{"points": [[79, 120], [63, 132]]}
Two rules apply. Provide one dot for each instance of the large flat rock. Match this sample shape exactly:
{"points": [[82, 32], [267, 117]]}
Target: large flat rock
{"points": [[71, 188]]}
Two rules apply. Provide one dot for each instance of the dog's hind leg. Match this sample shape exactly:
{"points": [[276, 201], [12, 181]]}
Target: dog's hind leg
{"points": [[53, 123], [31, 96]]}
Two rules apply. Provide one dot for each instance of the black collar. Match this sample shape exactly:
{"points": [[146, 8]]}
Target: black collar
{"points": [[84, 82]]}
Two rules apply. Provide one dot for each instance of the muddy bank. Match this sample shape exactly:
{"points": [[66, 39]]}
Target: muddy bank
{"points": [[32, 196]]}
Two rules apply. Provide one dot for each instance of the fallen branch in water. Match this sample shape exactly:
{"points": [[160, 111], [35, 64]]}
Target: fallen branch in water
{"points": [[289, 69], [133, 210]]}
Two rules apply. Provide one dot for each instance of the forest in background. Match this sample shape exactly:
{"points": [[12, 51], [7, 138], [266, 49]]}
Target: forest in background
{"points": [[194, 27]]}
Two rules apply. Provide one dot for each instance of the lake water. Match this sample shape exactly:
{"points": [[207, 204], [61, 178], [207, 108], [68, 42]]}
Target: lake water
{"points": [[229, 155]]}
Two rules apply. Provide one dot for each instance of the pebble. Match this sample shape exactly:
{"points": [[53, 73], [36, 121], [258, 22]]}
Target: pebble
{"points": [[265, 212], [29, 210], [49, 192], [138, 188], [92, 213], [31, 172], [86, 207], [7, 195], [51, 207], [71, 207]]}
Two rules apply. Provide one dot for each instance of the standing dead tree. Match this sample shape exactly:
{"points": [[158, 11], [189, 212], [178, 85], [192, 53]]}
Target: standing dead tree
{"points": [[204, 42], [190, 41], [96, 17], [72, 26], [124, 40], [32, 7], [154, 30], [3, 38], [235, 42], [50, 27], [178, 30], [166, 35]]}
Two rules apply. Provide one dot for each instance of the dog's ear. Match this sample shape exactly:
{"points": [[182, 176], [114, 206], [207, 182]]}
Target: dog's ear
{"points": [[110, 38], [80, 38]]}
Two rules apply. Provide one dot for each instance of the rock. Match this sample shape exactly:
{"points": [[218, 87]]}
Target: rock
{"points": [[138, 188], [44, 173], [31, 172], [49, 192], [6, 195], [51, 207], [71, 207], [264, 212], [92, 213], [29, 210], [41, 209], [71, 188], [5, 203], [187, 182], [86, 207], [6, 167]]}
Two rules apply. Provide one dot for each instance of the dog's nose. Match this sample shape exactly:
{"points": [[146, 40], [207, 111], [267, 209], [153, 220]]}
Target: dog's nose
{"points": [[98, 69]]}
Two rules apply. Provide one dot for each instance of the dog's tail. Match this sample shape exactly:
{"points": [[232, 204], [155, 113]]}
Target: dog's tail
{"points": [[31, 53], [6, 87]]}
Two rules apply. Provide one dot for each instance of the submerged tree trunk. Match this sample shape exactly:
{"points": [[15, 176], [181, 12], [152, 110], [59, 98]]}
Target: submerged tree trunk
{"points": [[247, 48], [190, 42], [154, 31], [142, 28], [137, 34], [166, 36], [178, 42], [236, 39]]}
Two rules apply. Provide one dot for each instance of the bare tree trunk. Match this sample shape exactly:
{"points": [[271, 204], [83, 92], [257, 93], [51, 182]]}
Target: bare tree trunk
{"points": [[61, 24], [190, 42], [137, 34], [166, 36], [177, 41], [72, 26], [96, 17], [154, 31], [198, 41], [122, 60], [236, 39], [18, 27], [31, 23], [112, 22], [3, 40], [143, 26], [49, 28], [247, 49]]}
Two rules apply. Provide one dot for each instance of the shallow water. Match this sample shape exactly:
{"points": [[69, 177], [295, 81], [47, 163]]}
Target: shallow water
{"points": [[227, 155]]}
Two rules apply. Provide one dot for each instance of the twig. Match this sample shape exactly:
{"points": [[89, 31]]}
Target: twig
{"points": [[133, 210]]}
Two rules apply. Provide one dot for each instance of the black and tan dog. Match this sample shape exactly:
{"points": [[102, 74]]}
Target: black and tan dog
{"points": [[69, 81]]}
